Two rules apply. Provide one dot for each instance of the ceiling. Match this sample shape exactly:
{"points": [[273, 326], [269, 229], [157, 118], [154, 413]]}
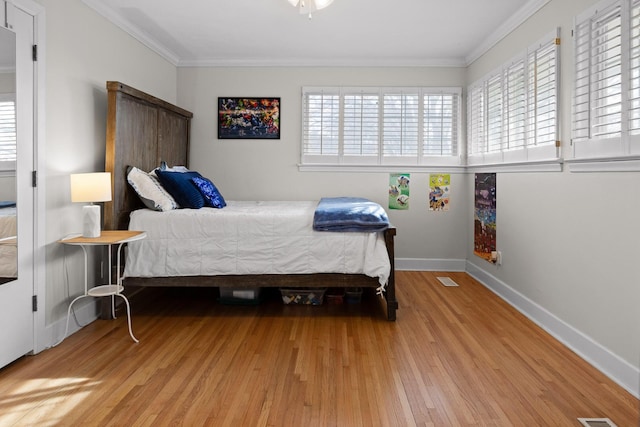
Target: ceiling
{"points": [[347, 33]]}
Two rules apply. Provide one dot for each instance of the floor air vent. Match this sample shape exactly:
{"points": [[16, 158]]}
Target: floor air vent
{"points": [[596, 422], [447, 281]]}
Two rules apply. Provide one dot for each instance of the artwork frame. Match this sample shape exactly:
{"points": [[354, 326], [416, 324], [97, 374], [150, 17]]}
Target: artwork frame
{"points": [[248, 117]]}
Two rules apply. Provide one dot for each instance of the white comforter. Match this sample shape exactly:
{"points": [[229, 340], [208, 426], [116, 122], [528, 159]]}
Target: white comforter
{"points": [[249, 238]]}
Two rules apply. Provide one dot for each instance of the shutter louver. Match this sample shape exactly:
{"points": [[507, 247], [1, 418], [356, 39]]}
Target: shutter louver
{"points": [[494, 114], [515, 106], [476, 124], [321, 124], [582, 96], [606, 71], [542, 95], [634, 70], [8, 145], [440, 124], [360, 133], [400, 126]]}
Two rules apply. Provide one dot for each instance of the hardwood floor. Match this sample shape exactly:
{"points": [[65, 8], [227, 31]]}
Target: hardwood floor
{"points": [[456, 356]]}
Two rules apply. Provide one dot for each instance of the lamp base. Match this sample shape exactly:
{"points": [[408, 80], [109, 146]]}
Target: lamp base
{"points": [[91, 221]]}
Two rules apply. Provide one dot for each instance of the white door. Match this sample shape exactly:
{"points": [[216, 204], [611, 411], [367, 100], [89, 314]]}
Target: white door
{"points": [[16, 306]]}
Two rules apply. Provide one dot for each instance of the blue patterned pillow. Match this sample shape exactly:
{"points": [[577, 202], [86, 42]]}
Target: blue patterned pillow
{"points": [[212, 196], [179, 185]]}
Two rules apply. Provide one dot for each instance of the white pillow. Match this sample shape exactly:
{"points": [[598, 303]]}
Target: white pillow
{"points": [[150, 191], [164, 167]]}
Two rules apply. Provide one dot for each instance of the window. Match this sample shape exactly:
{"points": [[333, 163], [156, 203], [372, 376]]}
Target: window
{"points": [[606, 101], [380, 126], [512, 113], [8, 146]]}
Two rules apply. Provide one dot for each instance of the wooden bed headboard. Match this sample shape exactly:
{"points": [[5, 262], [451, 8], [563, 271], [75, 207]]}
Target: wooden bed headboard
{"points": [[142, 131]]}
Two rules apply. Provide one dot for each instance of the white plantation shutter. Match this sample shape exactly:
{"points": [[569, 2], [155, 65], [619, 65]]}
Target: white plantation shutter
{"points": [[606, 74], [512, 115], [440, 124], [542, 93], [597, 94], [380, 126], [634, 70], [606, 101], [400, 125], [321, 122], [8, 146], [515, 106], [494, 114], [582, 95], [360, 133], [476, 107]]}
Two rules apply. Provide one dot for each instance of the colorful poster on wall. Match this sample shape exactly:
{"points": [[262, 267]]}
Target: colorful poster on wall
{"points": [[485, 215], [399, 191], [439, 189]]}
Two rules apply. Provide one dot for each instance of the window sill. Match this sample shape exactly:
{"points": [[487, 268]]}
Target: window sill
{"points": [[550, 165], [618, 164], [380, 168], [553, 165]]}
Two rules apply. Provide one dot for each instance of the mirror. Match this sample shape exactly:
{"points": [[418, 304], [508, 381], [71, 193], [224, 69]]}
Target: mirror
{"points": [[8, 164]]}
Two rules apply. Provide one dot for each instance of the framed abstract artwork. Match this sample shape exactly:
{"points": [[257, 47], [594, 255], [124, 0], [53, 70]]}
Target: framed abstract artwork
{"points": [[248, 118]]}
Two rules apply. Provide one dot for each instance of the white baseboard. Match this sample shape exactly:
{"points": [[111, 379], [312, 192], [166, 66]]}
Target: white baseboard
{"points": [[420, 264], [619, 370], [84, 313]]}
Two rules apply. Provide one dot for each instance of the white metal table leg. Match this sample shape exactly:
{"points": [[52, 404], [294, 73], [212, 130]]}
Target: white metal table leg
{"points": [[126, 301], [119, 284]]}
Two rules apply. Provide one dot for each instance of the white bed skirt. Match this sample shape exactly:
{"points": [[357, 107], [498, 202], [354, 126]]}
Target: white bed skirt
{"points": [[249, 238]]}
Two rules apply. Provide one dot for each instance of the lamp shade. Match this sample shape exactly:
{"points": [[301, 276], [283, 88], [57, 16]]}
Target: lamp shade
{"points": [[91, 187]]}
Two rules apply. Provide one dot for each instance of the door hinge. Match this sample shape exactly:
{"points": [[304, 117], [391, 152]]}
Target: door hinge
{"points": [[34, 302], [34, 52], [34, 178], [7, 20]]}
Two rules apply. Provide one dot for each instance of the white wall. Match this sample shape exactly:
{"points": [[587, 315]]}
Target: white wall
{"points": [[569, 240], [267, 169], [83, 51]]}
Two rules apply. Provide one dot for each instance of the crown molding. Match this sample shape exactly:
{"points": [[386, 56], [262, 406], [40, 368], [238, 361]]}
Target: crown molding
{"points": [[327, 62], [133, 31], [524, 13]]}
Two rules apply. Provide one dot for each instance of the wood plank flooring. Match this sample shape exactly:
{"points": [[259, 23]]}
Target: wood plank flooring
{"points": [[456, 356]]}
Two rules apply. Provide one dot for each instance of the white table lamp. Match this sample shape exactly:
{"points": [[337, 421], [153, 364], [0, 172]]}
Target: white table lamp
{"points": [[91, 188]]}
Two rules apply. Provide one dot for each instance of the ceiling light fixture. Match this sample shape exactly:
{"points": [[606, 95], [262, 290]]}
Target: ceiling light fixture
{"points": [[306, 7]]}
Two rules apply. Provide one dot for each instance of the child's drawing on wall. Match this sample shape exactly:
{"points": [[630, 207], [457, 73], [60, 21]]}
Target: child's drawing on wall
{"points": [[399, 191], [439, 190]]}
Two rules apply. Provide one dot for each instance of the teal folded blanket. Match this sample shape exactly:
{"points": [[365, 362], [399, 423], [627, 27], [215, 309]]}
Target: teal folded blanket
{"points": [[349, 214]]}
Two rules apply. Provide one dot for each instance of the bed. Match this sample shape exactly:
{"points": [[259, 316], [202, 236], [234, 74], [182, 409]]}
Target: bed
{"points": [[8, 248], [143, 132]]}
